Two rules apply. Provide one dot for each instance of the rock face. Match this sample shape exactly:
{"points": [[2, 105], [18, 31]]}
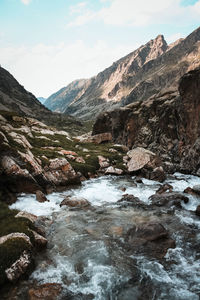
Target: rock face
{"points": [[137, 76], [167, 124]]}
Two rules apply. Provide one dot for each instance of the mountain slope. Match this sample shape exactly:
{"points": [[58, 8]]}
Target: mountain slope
{"points": [[14, 98], [136, 76]]}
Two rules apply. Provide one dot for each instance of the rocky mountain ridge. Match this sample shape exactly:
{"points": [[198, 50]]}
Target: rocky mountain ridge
{"points": [[137, 76], [166, 123]]}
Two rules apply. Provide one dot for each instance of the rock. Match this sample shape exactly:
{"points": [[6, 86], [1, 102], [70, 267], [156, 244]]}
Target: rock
{"points": [[138, 180], [158, 174], [139, 157], [113, 171], [103, 162], [80, 160], [19, 267], [97, 139], [65, 152], [150, 239], [198, 210], [164, 188], [131, 200], [196, 189], [112, 150], [75, 202], [168, 199], [47, 291], [40, 241], [121, 147], [60, 172], [40, 197], [12, 168], [15, 235], [30, 217]]}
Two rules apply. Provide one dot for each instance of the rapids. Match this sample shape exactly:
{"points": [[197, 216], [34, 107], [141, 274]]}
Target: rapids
{"points": [[86, 252]]}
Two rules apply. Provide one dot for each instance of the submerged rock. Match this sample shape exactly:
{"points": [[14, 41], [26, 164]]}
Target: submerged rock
{"points": [[149, 239], [75, 202], [168, 199]]}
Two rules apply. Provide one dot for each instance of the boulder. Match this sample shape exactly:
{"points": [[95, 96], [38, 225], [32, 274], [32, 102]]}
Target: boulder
{"points": [[47, 291], [15, 235], [19, 267], [40, 241], [97, 139], [168, 199], [150, 239], [198, 210], [75, 202], [103, 162], [164, 188], [158, 174], [130, 200], [80, 160], [139, 158], [40, 197], [196, 189], [30, 217], [113, 171]]}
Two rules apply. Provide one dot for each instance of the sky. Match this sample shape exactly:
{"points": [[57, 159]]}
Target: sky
{"points": [[46, 44]]}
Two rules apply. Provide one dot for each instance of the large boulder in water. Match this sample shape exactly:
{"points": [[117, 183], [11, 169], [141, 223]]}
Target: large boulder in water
{"points": [[150, 239], [168, 199], [75, 202]]}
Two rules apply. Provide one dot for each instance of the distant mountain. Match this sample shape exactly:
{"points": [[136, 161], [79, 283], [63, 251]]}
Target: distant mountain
{"points": [[137, 76], [41, 99], [14, 98]]}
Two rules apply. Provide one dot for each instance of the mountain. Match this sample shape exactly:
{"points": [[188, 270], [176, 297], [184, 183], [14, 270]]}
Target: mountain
{"points": [[167, 123], [14, 98], [41, 99], [137, 76]]}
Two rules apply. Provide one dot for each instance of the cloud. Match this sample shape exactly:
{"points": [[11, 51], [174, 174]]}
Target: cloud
{"points": [[26, 2], [44, 69], [139, 13]]}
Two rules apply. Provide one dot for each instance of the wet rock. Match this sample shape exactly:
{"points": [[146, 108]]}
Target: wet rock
{"points": [[40, 197], [113, 171], [47, 291], [198, 210], [168, 199], [149, 239], [164, 188], [40, 241], [19, 267], [130, 200], [75, 202], [196, 189], [158, 174], [138, 179]]}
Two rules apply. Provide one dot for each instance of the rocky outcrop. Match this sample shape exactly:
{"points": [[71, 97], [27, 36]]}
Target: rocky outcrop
{"points": [[137, 76], [166, 124]]}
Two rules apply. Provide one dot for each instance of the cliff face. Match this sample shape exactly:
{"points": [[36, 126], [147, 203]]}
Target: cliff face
{"points": [[167, 123], [137, 76]]}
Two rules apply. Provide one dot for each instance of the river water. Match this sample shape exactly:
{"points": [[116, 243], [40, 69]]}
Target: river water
{"points": [[86, 250]]}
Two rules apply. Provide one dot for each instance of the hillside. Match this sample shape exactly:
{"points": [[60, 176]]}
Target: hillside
{"points": [[137, 76]]}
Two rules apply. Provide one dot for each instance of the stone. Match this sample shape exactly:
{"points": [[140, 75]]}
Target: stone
{"points": [[113, 171], [103, 162], [139, 157], [97, 139], [15, 235], [65, 152], [196, 189], [40, 197], [75, 202], [26, 215], [164, 188], [158, 174], [80, 160], [47, 291], [19, 267], [131, 200], [198, 210], [40, 241], [168, 199], [150, 238]]}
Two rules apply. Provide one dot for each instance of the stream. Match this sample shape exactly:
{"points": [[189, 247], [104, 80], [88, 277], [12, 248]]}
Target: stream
{"points": [[87, 252]]}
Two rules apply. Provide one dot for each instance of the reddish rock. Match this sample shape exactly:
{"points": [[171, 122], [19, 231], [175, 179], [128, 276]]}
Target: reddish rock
{"points": [[65, 152], [40, 197], [47, 291]]}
